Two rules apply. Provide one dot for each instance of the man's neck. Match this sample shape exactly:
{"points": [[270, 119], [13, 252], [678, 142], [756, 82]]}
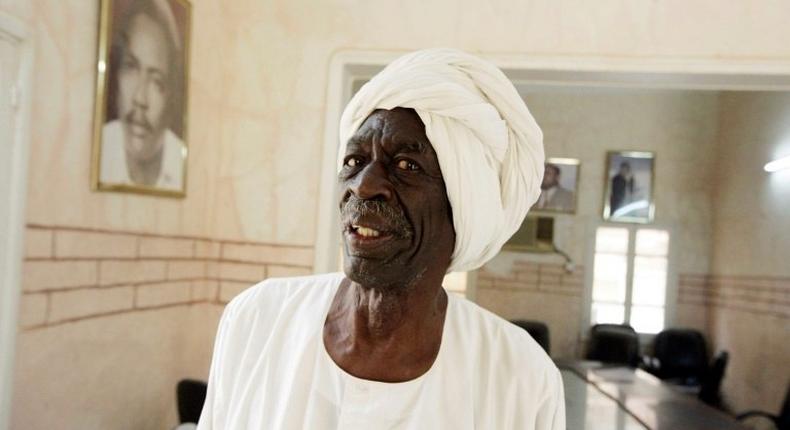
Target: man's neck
{"points": [[386, 334], [380, 315]]}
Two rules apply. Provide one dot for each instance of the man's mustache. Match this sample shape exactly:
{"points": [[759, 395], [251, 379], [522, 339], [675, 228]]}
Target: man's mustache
{"points": [[138, 119], [395, 219]]}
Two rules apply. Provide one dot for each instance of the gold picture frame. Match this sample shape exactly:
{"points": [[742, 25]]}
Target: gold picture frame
{"points": [[140, 133], [629, 181], [564, 194]]}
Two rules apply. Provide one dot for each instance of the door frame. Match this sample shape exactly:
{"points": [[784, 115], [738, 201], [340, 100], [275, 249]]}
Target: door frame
{"points": [[13, 216]]}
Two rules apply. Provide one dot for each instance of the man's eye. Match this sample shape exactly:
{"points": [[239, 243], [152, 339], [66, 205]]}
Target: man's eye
{"points": [[408, 165], [352, 162]]}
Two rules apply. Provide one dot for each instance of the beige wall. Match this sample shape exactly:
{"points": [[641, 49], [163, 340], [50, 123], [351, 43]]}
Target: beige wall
{"points": [[122, 293], [680, 127], [257, 100], [749, 290]]}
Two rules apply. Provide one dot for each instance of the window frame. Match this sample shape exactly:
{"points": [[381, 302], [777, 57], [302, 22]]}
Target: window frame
{"points": [[670, 304]]}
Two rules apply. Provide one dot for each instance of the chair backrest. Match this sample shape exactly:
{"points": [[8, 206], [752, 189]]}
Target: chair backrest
{"points": [[682, 354], [614, 344], [710, 388], [783, 420], [190, 395], [538, 330]]}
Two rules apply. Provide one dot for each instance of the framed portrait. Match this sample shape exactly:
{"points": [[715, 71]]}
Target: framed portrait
{"points": [[559, 186], [629, 187], [140, 117]]}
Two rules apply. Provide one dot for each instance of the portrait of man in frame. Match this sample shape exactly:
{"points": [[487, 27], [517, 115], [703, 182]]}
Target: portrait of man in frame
{"points": [[629, 187], [559, 186], [140, 120]]}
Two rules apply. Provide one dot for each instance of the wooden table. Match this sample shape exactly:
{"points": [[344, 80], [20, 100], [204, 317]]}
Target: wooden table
{"points": [[599, 397]]}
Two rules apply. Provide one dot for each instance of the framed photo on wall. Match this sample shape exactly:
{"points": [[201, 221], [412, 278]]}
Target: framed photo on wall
{"points": [[559, 186], [140, 116], [629, 187]]}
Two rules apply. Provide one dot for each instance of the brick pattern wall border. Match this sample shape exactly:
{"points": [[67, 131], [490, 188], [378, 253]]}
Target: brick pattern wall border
{"points": [[761, 295], [72, 274], [547, 278]]}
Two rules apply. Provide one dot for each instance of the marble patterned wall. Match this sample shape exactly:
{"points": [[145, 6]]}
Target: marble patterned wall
{"points": [[74, 274], [257, 102], [124, 315], [122, 293], [517, 288]]}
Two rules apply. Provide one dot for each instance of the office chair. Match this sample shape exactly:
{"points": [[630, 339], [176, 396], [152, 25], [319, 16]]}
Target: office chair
{"points": [[710, 384], [538, 330], [781, 421], [681, 355], [613, 344], [190, 396]]}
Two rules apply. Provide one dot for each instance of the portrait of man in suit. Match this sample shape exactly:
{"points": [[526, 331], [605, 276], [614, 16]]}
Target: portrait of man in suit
{"points": [[629, 187], [558, 189]]}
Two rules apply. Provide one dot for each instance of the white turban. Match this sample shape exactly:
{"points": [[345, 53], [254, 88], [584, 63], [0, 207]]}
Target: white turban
{"points": [[490, 148]]}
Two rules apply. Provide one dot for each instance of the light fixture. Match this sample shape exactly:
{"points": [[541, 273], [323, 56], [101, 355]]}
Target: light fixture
{"points": [[778, 164]]}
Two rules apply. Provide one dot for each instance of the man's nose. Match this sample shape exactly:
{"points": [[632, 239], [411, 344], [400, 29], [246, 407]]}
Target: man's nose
{"points": [[372, 182], [141, 92]]}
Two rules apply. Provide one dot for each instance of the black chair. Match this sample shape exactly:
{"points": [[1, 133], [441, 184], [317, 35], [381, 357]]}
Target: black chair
{"points": [[538, 330], [681, 355], [710, 386], [190, 395], [781, 421], [613, 344]]}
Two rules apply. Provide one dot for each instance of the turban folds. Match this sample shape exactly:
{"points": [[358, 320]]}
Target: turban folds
{"points": [[490, 148]]}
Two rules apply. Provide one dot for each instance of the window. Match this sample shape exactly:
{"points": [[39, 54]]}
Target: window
{"points": [[630, 277]]}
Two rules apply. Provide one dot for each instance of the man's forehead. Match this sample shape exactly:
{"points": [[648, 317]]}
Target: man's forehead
{"points": [[399, 125], [146, 34]]}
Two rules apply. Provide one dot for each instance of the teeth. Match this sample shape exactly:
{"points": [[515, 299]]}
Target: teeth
{"points": [[365, 231]]}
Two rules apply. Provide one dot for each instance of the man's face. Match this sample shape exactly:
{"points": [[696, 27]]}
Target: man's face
{"points": [[551, 177], [625, 170], [396, 217], [142, 87]]}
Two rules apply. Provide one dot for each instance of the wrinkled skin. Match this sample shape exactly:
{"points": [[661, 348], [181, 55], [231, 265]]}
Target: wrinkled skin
{"points": [[386, 320]]}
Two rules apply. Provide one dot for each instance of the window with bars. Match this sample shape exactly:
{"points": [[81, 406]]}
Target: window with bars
{"points": [[630, 277]]}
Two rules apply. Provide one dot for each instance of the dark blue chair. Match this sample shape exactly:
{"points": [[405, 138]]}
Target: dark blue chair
{"points": [[616, 344]]}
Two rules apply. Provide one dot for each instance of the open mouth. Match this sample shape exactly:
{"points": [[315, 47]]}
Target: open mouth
{"points": [[365, 232], [371, 228], [367, 238]]}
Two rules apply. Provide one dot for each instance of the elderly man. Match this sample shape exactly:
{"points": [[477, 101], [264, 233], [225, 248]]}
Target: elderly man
{"points": [[439, 162], [138, 148]]}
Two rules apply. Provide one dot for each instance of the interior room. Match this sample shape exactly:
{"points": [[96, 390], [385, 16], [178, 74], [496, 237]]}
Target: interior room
{"points": [[652, 269]]}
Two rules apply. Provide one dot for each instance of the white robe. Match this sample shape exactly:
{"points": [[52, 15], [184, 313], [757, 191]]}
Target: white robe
{"points": [[270, 370]]}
